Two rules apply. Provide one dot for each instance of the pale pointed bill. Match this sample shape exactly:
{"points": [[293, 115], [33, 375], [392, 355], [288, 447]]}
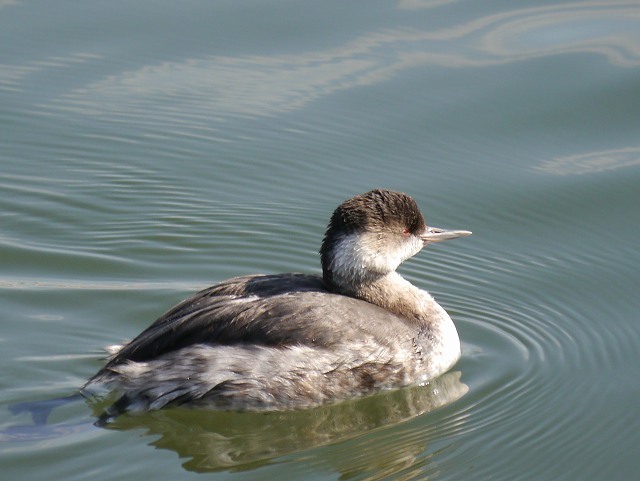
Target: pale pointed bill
{"points": [[436, 234]]}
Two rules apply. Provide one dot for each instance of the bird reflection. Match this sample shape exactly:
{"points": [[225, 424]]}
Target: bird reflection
{"points": [[237, 441]]}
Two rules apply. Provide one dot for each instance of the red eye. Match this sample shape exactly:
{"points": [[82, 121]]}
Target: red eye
{"points": [[406, 232]]}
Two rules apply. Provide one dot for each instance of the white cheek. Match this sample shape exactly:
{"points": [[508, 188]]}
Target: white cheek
{"points": [[348, 256], [369, 252], [411, 248]]}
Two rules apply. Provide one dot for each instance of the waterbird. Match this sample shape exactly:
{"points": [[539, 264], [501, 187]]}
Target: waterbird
{"points": [[290, 341]]}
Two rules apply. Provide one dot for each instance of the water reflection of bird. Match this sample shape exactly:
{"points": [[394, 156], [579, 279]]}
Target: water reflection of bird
{"points": [[211, 441]]}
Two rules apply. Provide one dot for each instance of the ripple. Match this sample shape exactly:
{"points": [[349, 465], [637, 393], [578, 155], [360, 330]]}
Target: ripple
{"points": [[523, 356], [84, 223]]}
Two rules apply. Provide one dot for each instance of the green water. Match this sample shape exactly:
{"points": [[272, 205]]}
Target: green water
{"points": [[149, 149]]}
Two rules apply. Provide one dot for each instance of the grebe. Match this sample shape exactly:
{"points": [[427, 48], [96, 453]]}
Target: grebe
{"points": [[274, 342]]}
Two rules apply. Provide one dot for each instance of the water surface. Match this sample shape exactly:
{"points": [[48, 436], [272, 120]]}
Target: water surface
{"points": [[152, 149]]}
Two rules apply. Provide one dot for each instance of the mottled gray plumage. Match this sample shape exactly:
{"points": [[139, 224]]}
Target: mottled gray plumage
{"points": [[295, 340]]}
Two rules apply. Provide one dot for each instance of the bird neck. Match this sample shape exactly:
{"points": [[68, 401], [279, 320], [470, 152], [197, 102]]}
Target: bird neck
{"points": [[395, 294]]}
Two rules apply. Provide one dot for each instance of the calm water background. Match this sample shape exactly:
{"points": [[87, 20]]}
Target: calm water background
{"points": [[151, 148]]}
